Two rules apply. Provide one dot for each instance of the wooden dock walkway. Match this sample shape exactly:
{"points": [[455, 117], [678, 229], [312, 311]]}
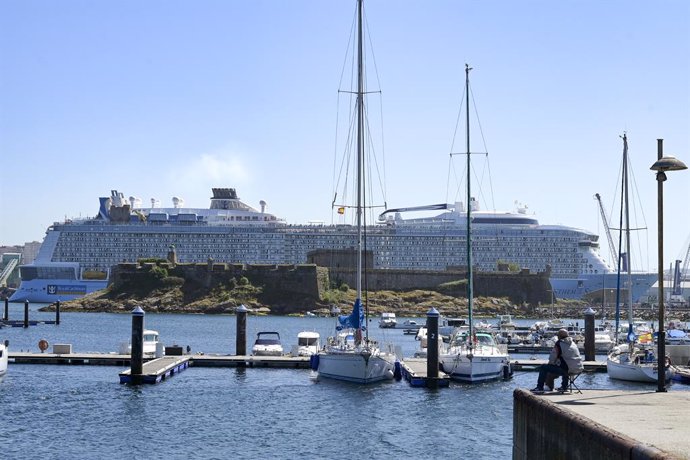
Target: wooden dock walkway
{"points": [[198, 360], [414, 371], [158, 369]]}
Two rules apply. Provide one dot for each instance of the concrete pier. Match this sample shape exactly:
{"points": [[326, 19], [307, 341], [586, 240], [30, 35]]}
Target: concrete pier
{"points": [[601, 424]]}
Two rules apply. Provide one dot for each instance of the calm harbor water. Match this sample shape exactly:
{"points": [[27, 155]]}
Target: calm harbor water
{"points": [[83, 412]]}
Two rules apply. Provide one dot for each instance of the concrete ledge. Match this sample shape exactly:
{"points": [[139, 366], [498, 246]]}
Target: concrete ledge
{"points": [[545, 429]]}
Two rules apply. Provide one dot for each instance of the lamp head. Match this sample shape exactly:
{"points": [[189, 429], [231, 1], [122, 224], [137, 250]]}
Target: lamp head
{"points": [[668, 164]]}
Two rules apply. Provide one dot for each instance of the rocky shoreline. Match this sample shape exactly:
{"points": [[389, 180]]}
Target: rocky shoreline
{"points": [[411, 303]]}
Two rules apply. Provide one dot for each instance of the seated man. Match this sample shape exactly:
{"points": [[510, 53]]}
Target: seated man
{"points": [[563, 359]]}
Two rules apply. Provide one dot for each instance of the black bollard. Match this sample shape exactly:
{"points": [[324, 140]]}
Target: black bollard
{"points": [[241, 340], [57, 312], [6, 317], [137, 361], [589, 334], [432, 348], [26, 313]]}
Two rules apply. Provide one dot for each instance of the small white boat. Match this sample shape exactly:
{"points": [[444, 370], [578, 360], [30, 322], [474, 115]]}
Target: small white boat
{"points": [[409, 326], [267, 344], [151, 340], [448, 326], [4, 351], [603, 341], [308, 343], [387, 320], [505, 322]]}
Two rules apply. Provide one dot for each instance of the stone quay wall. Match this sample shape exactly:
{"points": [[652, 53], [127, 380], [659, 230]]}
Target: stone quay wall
{"points": [[545, 430], [521, 287], [293, 281]]}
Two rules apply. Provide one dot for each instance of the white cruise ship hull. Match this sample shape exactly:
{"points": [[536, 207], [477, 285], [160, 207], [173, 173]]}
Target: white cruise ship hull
{"points": [[52, 290], [576, 288], [230, 231], [356, 366]]}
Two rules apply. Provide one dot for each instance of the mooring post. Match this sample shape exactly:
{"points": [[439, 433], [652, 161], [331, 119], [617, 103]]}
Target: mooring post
{"points": [[57, 312], [6, 317], [137, 357], [241, 338], [26, 313], [432, 348], [589, 334]]}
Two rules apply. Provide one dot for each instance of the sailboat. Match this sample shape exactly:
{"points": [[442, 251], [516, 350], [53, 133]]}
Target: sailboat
{"points": [[628, 361], [350, 355], [473, 356]]}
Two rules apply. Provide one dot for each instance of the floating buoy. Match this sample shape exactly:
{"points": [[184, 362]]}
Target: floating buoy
{"points": [[43, 345]]}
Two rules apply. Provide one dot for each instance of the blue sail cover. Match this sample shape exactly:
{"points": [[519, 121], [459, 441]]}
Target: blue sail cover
{"points": [[354, 320]]}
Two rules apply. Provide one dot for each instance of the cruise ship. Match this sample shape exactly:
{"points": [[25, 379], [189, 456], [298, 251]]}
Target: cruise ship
{"points": [[76, 256]]}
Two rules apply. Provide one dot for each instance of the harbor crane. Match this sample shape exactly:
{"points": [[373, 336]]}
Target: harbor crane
{"points": [[612, 246]]}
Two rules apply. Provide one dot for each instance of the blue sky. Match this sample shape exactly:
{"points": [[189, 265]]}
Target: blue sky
{"points": [[171, 98]]}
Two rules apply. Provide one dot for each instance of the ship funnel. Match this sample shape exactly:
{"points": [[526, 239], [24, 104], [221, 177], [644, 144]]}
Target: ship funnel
{"points": [[177, 202], [262, 203], [154, 203], [474, 204]]}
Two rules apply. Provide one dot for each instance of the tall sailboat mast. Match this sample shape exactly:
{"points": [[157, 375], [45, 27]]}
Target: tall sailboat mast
{"points": [[627, 236], [470, 293], [360, 152]]}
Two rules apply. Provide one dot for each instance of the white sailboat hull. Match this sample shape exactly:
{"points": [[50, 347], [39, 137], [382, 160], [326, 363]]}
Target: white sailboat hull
{"points": [[633, 372], [620, 366], [3, 360], [474, 368], [356, 365]]}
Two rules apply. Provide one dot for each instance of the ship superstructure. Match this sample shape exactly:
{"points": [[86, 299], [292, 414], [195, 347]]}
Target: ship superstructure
{"points": [[76, 255]]}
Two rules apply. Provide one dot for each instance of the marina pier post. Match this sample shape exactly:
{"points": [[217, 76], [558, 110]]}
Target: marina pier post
{"points": [[137, 345], [26, 313], [589, 334], [241, 338], [57, 312], [432, 348], [6, 315]]}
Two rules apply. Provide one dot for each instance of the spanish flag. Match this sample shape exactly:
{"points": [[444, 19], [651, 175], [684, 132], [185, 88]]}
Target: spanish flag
{"points": [[341, 210]]}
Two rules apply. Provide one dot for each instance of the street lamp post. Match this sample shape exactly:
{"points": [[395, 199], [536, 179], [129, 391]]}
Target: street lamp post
{"points": [[662, 165]]}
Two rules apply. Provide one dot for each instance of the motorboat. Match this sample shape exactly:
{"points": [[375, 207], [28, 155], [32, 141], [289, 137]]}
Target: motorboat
{"points": [[505, 322], [603, 341], [4, 351], [387, 320], [308, 343], [676, 333], [447, 326], [151, 341], [421, 337], [267, 344], [410, 326]]}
